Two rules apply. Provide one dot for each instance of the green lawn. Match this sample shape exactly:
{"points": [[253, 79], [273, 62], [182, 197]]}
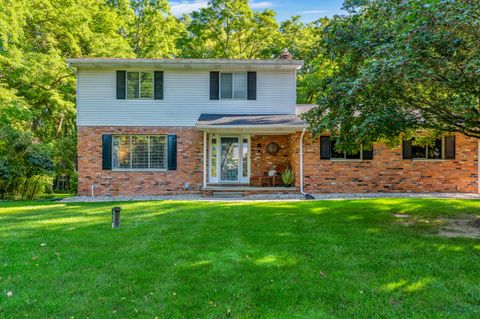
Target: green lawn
{"points": [[310, 259]]}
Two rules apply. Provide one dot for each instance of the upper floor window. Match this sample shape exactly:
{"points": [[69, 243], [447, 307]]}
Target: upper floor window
{"points": [[140, 85], [139, 152], [233, 85]]}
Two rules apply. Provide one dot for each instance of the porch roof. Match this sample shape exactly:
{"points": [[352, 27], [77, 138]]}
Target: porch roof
{"points": [[250, 122]]}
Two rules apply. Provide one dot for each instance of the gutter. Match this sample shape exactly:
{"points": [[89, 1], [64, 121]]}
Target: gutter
{"points": [[266, 126], [301, 163]]}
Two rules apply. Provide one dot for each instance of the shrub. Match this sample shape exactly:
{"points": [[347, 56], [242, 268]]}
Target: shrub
{"points": [[74, 182], [26, 166]]}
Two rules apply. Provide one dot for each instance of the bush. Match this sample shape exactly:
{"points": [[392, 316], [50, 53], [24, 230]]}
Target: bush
{"points": [[74, 183], [26, 167]]}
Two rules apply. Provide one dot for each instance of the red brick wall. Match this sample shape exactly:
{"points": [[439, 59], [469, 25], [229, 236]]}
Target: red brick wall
{"points": [[261, 162], [388, 172], [189, 164]]}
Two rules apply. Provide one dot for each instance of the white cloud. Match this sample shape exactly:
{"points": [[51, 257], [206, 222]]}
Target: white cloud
{"points": [[319, 11], [260, 5], [181, 7]]}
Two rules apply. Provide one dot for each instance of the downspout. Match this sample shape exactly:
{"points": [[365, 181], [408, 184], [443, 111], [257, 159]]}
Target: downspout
{"points": [[301, 162], [478, 162], [204, 159]]}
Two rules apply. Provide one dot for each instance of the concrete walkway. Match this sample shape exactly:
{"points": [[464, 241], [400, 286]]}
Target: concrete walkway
{"points": [[272, 197]]}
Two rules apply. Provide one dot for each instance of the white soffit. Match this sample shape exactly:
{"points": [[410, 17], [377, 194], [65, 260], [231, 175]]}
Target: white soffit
{"points": [[185, 64]]}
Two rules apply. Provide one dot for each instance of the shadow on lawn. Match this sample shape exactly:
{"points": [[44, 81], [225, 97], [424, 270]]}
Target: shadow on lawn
{"points": [[286, 255], [373, 213]]}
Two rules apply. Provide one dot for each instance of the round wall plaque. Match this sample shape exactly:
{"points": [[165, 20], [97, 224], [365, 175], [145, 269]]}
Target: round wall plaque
{"points": [[273, 148]]}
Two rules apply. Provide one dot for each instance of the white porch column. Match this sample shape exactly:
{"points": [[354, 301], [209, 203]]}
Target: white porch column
{"points": [[478, 162], [204, 159]]}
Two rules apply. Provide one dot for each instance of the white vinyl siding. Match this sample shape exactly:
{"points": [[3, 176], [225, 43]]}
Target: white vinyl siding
{"points": [[186, 96]]}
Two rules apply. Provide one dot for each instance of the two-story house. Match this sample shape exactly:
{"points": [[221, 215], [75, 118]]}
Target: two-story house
{"points": [[167, 126]]}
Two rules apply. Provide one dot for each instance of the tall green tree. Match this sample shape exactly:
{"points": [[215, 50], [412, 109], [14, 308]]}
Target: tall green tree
{"points": [[400, 66], [37, 89], [149, 27], [303, 42], [229, 29]]}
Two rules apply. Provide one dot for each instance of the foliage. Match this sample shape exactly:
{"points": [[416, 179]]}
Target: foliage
{"points": [[25, 166], [288, 176], [149, 27], [238, 260], [74, 183], [229, 29], [397, 67], [37, 89]]}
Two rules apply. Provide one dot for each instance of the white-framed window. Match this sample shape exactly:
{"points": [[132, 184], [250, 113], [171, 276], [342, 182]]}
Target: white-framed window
{"points": [[139, 152], [139, 85], [233, 86]]}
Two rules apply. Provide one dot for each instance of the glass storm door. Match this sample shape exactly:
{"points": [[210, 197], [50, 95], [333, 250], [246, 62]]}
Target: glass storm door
{"points": [[229, 159]]}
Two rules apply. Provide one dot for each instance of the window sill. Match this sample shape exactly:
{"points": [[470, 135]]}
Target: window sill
{"points": [[139, 170], [429, 160], [347, 160]]}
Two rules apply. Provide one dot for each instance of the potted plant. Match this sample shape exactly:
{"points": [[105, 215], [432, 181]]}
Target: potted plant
{"points": [[288, 177]]}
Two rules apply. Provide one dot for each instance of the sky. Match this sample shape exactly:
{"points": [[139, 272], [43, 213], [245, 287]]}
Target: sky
{"points": [[310, 10]]}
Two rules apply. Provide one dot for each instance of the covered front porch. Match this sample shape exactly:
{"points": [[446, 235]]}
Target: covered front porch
{"points": [[250, 153]]}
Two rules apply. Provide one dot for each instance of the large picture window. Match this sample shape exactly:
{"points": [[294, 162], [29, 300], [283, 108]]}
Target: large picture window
{"points": [[140, 85], [139, 152], [233, 85]]}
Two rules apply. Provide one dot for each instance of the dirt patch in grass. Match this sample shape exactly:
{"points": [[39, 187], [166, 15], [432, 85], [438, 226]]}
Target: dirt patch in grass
{"points": [[466, 226]]}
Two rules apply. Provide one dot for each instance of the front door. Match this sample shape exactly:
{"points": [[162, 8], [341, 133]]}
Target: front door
{"points": [[229, 160]]}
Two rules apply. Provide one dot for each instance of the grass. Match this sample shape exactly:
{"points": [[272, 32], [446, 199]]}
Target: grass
{"points": [[324, 259]]}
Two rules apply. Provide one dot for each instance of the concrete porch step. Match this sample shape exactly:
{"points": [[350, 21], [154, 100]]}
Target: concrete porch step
{"points": [[227, 194]]}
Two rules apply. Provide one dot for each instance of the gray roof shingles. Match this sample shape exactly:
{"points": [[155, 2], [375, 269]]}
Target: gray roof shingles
{"points": [[287, 120]]}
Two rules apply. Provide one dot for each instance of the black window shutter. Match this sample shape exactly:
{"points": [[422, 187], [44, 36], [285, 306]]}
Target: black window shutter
{"points": [[325, 152], [106, 151], [172, 152], [368, 154], [450, 147], [121, 85], [407, 149], [214, 85], [252, 85], [158, 85]]}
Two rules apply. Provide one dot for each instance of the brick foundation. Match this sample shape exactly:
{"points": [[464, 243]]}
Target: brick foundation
{"points": [[388, 172], [189, 164]]}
